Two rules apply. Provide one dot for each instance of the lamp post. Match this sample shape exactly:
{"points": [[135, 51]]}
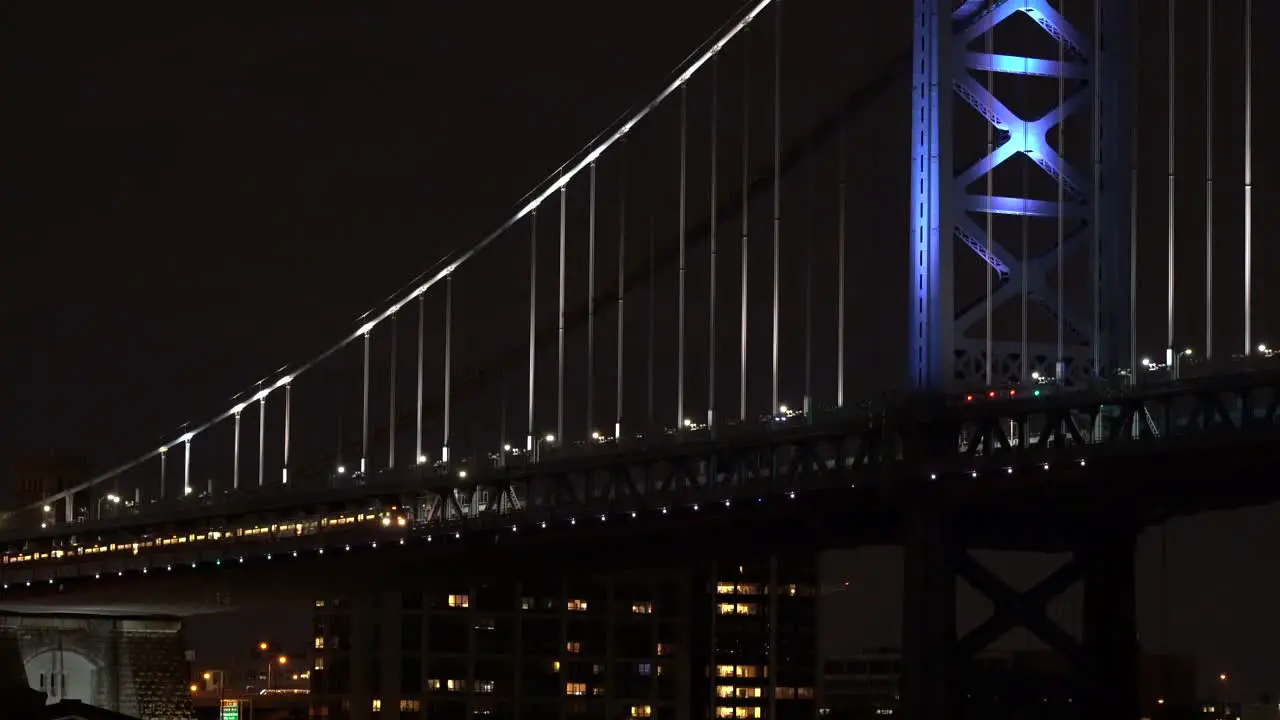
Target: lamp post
{"points": [[222, 684], [111, 498], [1226, 695], [282, 660], [547, 439]]}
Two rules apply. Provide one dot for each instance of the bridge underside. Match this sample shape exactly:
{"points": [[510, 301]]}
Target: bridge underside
{"points": [[1033, 508]]}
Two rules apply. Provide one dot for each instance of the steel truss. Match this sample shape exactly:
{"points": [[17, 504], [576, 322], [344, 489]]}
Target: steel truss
{"points": [[1094, 207], [1104, 656], [946, 442]]}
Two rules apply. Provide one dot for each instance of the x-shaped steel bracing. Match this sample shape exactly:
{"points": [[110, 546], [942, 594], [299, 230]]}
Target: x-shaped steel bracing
{"points": [[1030, 138]]}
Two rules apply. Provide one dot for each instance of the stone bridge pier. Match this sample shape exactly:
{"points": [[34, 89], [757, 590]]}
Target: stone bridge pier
{"points": [[134, 666]]}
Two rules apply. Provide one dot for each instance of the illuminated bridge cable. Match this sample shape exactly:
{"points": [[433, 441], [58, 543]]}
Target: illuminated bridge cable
{"points": [[756, 184], [711, 281], [442, 269], [746, 224], [683, 226], [622, 277]]}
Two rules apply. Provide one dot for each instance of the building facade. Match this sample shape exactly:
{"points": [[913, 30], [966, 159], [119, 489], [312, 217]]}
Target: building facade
{"points": [[998, 685], [731, 639]]}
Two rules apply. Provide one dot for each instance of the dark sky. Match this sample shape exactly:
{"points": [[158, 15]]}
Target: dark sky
{"points": [[191, 201]]}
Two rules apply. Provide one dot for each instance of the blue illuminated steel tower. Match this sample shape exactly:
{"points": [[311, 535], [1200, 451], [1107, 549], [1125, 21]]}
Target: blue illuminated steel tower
{"points": [[955, 51]]}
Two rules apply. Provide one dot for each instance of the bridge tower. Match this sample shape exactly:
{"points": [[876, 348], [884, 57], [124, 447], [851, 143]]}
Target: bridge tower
{"points": [[965, 202], [1052, 295]]}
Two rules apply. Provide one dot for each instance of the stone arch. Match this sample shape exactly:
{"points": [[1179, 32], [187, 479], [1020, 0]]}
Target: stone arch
{"points": [[63, 674]]}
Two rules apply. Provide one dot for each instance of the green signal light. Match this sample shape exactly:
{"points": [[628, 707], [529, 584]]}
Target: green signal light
{"points": [[1036, 393]]}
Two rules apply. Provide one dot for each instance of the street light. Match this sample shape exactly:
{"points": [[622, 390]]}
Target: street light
{"points": [[222, 682], [1177, 362], [282, 660], [1226, 694], [263, 646], [548, 439], [109, 497]]}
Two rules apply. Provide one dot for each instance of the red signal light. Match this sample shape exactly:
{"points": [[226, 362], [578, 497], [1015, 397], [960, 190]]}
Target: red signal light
{"points": [[968, 398], [991, 393], [1013, 392]]}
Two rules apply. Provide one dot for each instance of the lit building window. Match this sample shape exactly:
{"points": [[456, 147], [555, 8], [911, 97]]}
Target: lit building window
{"points": [[662, 669], [749, 589], [641, 711], [573, 647], [433, 684], [804, 693], [746, 671], [644, 668], [555, 666], [319, 603], [724, 691], [574, 688], [665, 648], [786, 693], [744, 713], [724, 712], [526, 603], [484, 686], [747, 692], [460, 601], [724, 671], [738, 609], [410, 705], [642, 608], [597, 691], [578, 605], [319, 643], [319, 665], [596, 669], [725, 589], [457, 685], [377, 704]]}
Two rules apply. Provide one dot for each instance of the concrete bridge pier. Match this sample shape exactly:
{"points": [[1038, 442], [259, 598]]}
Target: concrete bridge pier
{"points": [[134, 666]]}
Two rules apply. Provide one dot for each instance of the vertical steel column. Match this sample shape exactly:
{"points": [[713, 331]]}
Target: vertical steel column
{"points": [[1173, 75], [564, 204], [186, 469], [1208, 180], [262, 439], [1099, 204], [1060, 361], [653, 319], [1248, 176], [533, 321], [364, 412], [711, 288], [988, 300], [417, 449], [1134, 369], [622, 264], [288, 422], [391, 399], [591, 301], [746, 224], [841, 212], [235, 454], [684, 155], [931, 316], [777, 190], [808, 309], [448, 364]]}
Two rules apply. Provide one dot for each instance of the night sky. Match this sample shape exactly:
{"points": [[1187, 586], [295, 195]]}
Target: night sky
{"points": [[193, 198]]}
